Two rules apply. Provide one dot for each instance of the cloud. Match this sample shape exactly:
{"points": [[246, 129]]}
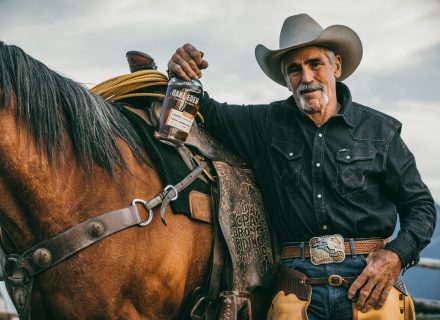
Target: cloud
{"points": [[399, 74]]}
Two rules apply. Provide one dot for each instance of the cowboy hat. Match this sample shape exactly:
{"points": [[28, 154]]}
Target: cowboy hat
{"points": [[300, 31]]}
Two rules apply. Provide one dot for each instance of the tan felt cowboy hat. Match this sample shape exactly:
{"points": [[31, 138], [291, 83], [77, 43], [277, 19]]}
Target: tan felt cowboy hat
{"points": [[301, 31]]}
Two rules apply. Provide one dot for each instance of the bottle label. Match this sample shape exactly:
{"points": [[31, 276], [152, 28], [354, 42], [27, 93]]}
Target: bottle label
{"points": [[180, 120], [184, 97]]}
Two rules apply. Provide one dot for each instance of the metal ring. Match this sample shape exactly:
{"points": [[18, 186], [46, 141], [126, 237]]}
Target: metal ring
{"points": [[168, 187], [150, 211]]}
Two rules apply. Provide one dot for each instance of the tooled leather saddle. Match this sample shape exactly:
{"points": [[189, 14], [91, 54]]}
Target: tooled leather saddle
{"points": [[242, 259]]}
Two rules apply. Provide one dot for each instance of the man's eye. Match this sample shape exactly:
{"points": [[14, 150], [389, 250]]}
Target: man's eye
{"points": [[294, 70]]}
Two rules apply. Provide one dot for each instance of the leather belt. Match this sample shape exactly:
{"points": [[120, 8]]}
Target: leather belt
{"points": [[334, 280], [361, 247]]}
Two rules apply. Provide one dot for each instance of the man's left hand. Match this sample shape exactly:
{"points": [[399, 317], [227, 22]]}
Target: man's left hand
{"points": [[376, 280]]}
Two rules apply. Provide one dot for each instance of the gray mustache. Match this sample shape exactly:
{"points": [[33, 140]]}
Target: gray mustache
{"points": [[303, 88]]}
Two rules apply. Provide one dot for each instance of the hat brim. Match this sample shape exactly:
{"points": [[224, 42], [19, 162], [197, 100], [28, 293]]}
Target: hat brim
{"points": [[340, 39]]}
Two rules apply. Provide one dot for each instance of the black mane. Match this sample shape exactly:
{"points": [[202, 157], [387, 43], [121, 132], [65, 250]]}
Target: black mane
{"points": [[50, 105]]}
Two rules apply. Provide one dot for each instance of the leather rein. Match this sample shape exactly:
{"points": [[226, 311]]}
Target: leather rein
{"points": [[19, 269]]}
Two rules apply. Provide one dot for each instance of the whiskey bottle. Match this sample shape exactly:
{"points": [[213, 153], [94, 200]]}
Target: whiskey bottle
{"points": [[180, 105]]}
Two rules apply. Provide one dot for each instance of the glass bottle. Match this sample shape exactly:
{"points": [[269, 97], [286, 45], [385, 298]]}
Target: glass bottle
{"points": [[180, 105]]}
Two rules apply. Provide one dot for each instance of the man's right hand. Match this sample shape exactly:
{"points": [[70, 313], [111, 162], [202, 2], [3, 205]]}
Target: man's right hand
{"points": [[187, 63]]}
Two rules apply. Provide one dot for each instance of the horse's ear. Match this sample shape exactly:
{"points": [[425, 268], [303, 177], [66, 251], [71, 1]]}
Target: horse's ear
{"points": [[140, 61]]}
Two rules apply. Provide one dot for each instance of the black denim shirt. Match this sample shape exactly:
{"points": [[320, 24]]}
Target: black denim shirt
{"points": [[351, 176]]}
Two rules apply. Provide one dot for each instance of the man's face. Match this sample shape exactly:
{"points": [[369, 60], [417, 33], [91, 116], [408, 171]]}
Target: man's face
{"points": [[311, 74]]}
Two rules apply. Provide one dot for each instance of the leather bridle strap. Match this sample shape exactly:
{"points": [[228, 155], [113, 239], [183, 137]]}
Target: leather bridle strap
{"points": [[50, 252]]}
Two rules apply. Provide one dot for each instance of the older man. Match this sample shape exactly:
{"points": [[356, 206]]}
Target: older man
{"points": [[334, 174]]}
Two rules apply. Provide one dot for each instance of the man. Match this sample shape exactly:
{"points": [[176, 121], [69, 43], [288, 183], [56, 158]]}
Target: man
{"points": [[334, 174]]}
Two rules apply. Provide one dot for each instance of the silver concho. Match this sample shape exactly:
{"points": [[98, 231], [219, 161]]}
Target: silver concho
{"points": [[327, 249]]}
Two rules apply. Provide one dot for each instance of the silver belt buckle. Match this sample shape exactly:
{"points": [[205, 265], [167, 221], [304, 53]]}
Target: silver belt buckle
{"points": [[327, 249]]}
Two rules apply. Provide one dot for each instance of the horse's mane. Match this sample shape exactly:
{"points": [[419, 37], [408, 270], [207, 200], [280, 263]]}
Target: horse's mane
{"points": [[51, 104]]}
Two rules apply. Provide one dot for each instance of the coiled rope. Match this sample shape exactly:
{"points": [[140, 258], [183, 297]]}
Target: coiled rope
{"points": [[122, 87]]}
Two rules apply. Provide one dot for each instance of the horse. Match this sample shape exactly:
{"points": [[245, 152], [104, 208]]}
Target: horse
{"points": [[66, 156]]}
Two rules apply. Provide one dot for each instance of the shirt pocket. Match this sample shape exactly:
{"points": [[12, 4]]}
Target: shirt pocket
{"points": [[353, 165], [286, 163]]}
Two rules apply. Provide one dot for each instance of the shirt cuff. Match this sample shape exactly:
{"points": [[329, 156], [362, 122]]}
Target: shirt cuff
{"points": [[406, 248]]}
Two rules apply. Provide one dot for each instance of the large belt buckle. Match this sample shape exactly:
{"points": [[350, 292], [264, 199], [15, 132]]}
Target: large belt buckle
{"points": [[327, 249]]}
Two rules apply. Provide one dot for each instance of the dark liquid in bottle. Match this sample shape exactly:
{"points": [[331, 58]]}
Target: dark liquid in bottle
{"points": [[181, 103]]}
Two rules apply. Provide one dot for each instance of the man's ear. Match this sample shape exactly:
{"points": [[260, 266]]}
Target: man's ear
{"points": [[286, 78], [338, 67], [288, 85]]}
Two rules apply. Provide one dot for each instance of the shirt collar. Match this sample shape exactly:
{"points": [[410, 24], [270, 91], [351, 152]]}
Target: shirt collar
{"points": [[344, 98]]}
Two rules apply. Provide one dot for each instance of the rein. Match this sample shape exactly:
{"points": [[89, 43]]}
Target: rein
{"points": [[19, 270]]}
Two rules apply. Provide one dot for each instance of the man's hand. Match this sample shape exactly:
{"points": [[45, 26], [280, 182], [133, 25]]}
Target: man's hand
{"points": [[376, 280], [187, 63]]}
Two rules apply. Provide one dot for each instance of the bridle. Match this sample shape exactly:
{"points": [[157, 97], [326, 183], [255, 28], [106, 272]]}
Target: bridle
{"points": [[19, 270]]}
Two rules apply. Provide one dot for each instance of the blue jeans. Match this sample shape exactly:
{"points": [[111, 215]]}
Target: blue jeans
{"points": [[329, 302]]}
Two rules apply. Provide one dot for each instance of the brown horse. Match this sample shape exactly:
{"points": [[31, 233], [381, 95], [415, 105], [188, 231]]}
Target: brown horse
{"points": [[67, 156]]}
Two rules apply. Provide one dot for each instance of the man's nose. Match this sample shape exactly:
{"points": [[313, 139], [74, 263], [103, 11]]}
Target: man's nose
{"points": [[307, 76]]}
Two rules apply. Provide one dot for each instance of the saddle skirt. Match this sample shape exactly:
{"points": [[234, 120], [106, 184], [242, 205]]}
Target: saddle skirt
{"points": [[240, 214]]}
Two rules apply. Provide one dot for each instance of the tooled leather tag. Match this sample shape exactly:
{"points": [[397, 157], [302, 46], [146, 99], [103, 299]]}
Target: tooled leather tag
{"points": [[327, 249], [201, 206]]}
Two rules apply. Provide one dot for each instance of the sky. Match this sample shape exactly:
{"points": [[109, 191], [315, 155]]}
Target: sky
{"points": [[399, 73]]}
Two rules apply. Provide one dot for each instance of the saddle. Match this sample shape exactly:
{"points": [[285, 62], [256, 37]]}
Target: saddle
{"points": [[242, 246]]}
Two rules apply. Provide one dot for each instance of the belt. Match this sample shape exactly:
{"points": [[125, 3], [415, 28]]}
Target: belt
{"points": [[361, 247], [334, 280]]}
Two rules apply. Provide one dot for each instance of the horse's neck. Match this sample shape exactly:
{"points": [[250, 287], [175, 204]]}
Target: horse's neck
{"points": [[39, 199]]}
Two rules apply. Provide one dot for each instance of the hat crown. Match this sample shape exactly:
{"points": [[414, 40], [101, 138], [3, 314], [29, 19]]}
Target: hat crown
{"points": [[297, 29]]}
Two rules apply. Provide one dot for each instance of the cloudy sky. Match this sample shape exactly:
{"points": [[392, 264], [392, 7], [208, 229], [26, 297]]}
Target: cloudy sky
{"points": [[399, 74]]}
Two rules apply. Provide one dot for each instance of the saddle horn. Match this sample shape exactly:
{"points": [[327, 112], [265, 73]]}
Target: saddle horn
{"points": [[138, 61]]}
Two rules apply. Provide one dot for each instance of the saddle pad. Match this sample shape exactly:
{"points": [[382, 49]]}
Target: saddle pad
{"points": [[168, 163]]}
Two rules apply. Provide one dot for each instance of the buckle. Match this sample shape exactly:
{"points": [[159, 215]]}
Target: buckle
{"points": [[327, 249], [150, 211], [335, 280]]}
